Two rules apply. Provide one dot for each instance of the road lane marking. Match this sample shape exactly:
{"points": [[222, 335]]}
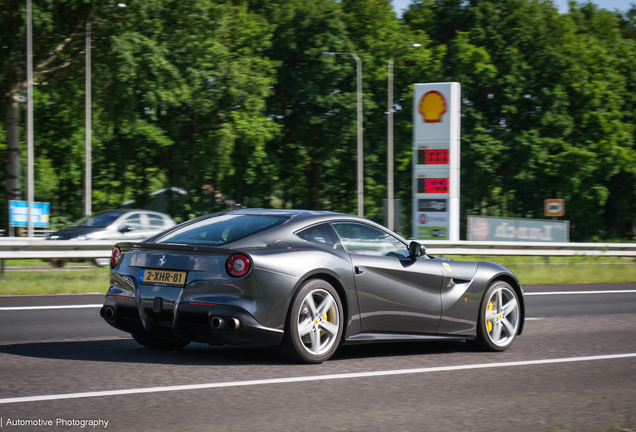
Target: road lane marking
{"points": [[533, 319], [123, 337], [7, 308], [16, 308], [308, 378], [579, 292]]}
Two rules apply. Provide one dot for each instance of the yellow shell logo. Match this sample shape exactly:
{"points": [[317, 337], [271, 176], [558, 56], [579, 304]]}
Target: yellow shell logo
{"points": [[432, 107]]}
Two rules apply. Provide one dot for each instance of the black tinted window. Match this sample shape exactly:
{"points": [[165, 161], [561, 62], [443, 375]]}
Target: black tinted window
{"points": [[317, 234], [221, 230]]}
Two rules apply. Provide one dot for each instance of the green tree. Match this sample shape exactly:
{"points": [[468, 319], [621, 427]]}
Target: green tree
{"points": [[313, 101], [543, 106], [57, 43], [375, 32]]}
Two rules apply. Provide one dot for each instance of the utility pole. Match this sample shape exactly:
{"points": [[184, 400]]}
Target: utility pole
{"points": [[390, 203], [360, 146], [29, 119], [88, 179]]}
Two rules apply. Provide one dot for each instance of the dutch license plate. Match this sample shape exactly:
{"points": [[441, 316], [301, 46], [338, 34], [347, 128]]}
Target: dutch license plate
{"points": [[167, 277]]}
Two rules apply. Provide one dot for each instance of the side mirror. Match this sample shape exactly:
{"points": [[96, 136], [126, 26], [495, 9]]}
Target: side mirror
{"points": [[124, 228], [416, 249]]}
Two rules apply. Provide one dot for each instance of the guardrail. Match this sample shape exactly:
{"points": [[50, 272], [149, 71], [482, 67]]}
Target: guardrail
{"points": [[439, 247], [29, 248]]}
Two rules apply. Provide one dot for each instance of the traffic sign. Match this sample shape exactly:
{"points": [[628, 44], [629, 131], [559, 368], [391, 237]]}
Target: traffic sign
{"points": [[554, 207], [18, 211]]}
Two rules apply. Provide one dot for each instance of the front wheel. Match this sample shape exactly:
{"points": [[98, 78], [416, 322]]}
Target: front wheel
{"points": [[154, 342], [499, 317], [315, 323]]}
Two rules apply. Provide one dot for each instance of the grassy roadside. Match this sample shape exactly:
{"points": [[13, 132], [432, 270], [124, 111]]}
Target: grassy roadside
{"points": [[573, 273], [54, 282], [529, 270], [532, 270]]}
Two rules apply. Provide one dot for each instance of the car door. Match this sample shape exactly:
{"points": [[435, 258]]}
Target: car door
{"points": [[133, 227], [396, 293], [151, 224]]}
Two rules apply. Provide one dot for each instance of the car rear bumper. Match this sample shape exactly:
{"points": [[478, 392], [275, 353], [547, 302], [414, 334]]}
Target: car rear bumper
{"points": [[190, 321]]}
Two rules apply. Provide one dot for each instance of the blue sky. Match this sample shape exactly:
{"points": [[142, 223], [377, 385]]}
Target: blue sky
{"points": [[622, 5]]}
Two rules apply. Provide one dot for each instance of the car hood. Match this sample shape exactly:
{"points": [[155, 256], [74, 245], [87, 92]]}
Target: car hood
{"points": [[74, 232]]}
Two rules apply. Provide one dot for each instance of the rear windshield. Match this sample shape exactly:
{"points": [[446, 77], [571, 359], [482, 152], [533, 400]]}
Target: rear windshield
{"points": [[99, 220], [221, 230]]}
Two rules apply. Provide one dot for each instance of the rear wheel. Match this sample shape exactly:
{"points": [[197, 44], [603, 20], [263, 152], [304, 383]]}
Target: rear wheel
{"points": [[315, 323], [499, 317], [154, 342], [58, 263]]}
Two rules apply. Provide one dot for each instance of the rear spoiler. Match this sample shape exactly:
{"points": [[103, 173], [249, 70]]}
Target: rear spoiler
{"points": [[170, 247]]}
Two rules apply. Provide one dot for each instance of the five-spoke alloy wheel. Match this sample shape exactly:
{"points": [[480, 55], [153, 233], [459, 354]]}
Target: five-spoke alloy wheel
{"points": [[315, 323], [499, 317]]}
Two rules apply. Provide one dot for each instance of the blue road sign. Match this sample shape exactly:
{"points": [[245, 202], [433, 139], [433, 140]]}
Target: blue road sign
{"points": [[18, 214]]}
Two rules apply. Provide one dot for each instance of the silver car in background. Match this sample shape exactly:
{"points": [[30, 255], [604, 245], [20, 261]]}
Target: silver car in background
{"points": [[122, 225]]}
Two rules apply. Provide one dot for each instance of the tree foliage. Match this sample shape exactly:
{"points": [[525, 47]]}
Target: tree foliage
{"points": [[233, 99], [547, 108]]}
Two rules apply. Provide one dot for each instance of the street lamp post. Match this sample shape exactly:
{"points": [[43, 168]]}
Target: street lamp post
{"points": [[360, 150], [88, 192], [390, 206], [30, 176]]}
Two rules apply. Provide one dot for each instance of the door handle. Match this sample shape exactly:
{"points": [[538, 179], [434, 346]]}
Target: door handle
{"points": [[358, 270]]}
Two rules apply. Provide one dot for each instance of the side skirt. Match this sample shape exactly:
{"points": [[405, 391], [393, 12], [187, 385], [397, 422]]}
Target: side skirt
{"points": [[362, 338]]}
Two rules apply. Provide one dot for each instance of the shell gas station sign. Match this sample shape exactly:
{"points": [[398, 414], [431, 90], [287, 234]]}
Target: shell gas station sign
{"points": [[436, 156]]}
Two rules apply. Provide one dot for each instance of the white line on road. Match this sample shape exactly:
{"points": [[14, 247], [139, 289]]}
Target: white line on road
{"points": [[524, 294], [579, 292], [309, 378], [84, 306]]}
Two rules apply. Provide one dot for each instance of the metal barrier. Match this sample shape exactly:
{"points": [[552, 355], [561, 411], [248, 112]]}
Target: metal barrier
{"points": [[529, 249], [29, 248]]}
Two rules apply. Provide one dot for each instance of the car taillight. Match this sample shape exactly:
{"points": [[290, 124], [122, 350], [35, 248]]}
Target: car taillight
{"points": [[115, 257], [238, 265]]}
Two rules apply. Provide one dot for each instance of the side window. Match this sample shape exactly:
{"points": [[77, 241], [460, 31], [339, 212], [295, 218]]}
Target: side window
{"points": [[133, 222], [362, 239], [317, 234], [156, 221]]}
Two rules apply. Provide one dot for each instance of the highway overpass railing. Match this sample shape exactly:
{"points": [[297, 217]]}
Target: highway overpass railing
{"points": [[34, 248]]}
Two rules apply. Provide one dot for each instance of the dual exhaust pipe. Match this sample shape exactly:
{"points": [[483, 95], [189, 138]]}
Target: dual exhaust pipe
{"points": [[108, 313], [217, 323], [232, 324]]}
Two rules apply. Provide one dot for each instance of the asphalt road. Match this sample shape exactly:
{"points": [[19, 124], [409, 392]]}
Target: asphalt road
{"points": [[574, 368]]}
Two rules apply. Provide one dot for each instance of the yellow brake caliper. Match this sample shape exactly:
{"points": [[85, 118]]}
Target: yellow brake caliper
{"points": [[489, 323], [324, 319]]}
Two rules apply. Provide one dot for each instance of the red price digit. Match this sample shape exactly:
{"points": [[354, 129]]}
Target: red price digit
{"points": [[436, 157], [435, 185]]}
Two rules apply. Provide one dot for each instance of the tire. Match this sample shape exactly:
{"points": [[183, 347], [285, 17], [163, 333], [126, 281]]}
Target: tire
{"points": [[154, 342], [314, 324], [58, 263], [497, 326]]}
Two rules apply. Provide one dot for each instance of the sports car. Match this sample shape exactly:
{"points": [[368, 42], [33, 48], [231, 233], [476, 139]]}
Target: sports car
{"points": [[306, 281]]}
